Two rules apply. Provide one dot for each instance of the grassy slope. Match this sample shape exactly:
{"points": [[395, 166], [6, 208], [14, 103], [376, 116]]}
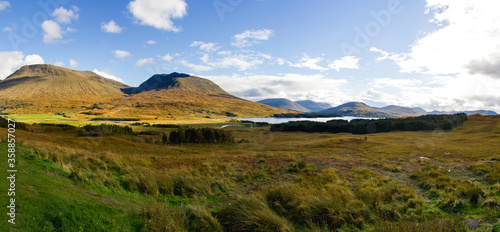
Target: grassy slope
{"points": [[47, 200], [312, 166]]}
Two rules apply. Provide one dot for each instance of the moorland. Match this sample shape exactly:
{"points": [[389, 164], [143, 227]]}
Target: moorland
{"points": [[434, 180]]}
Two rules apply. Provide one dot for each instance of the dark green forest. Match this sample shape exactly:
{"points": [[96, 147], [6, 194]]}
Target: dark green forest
{"points": [[200, 135], [367, 126]]}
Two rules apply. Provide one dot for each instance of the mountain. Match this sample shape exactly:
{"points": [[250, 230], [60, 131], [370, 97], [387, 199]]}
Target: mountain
{"points": [[45, 87], [177, 82], [175, 95], [483, 112], [38, 89], [285, 104], [314, 106], [401, 111], [357, 109], [51, 82], [420, 110]]}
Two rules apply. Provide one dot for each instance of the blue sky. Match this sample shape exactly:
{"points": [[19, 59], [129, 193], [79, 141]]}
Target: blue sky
{"points": [[436, 54]]}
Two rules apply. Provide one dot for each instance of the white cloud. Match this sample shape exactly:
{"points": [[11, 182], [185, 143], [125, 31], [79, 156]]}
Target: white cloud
{"points": [[459, 60], [151, 42], [397, 83], [292, 86], [195, 67], [145, 61], [73, 64], [4, 5], [241, 61], [468, 31], [10, 28], [251, 37], [120, 54], [52, 32], [158, 14], [107, 75], [346, 62], [111, 27], [208, 47], [167, 57], [378, 98], [62, 15], [280, 61], [59, 63], [11, 61], [308, 62]]}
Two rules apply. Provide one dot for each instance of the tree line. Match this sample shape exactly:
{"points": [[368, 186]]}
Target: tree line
{"points": [[367, 126], [199, 135], [4, 122], [105, 130]]}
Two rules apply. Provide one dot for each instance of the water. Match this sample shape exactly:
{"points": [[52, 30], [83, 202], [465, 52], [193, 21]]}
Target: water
{"points": [[283, 120]]}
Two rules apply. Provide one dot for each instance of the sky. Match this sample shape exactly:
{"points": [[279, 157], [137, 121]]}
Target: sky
{"points": [[434, 54]]}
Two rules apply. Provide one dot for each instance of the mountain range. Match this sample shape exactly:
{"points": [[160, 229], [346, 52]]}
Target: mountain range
{"points": [[51, 89], [360, 109]]}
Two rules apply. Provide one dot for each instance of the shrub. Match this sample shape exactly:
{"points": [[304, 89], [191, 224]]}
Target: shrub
{"points": [[432, 225], [161, 217], [106, 130], [480, 168], [251, 213], [198, 219], [491, 203], [282, 200]]}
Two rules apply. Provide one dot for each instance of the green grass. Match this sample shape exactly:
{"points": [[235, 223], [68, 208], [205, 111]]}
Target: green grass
{"points": [[26, 117], [47, 200]]}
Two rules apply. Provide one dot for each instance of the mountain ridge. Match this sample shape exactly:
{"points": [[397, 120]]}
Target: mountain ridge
{"points": [[284, 104]]}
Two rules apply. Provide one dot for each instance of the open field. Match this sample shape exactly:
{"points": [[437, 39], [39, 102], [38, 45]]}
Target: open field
{"points": [[268, 181]]}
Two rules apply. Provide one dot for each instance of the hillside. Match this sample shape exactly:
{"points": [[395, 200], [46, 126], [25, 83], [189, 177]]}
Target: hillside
{"points": [[177, 95], [177, 82], [482, 112], [39, 89], [47, 87], [400, 111], [314, 106], [357, 109], [285, 104]]}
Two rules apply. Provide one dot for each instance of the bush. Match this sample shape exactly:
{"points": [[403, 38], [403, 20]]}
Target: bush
{"points": [[161, 217], [200, 135], [282, 200], [480, 168], [105, 130], [251, 213], [198, 219], [4, 122]]}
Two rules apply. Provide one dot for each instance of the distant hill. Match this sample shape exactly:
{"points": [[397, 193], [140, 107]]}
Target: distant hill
{"points": [[176, 95], [45, 87], [314, 106], [420, 110], [401, 111], [177, 82], [285, 104], [357, 109], [483, 112]]}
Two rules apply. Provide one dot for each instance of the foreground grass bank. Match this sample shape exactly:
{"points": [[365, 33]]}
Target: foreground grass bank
{"points": [[270, 181]]}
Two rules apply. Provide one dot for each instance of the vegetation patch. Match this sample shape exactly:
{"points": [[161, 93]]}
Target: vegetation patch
{"points": [[365, 126]]}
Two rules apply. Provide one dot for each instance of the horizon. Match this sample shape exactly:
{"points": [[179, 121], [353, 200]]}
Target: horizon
{"points": [[434, 54]]}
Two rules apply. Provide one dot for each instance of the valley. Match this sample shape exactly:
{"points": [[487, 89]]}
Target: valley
{"points": [[171, 155], [427, 180]]}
